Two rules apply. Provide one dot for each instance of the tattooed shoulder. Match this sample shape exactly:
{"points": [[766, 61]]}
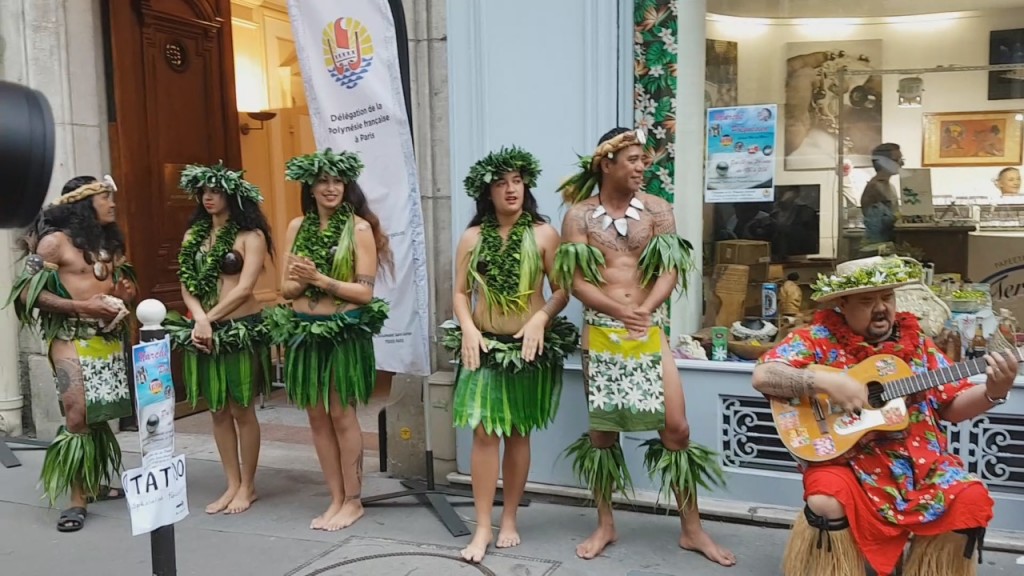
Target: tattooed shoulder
{"points": [[576, 221], [662, 214]]}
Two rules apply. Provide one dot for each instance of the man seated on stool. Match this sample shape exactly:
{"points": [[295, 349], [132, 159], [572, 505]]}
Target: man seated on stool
{"points": [[867, 504]]}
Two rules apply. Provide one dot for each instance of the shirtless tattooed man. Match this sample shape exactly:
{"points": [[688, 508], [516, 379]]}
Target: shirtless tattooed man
{"points": [[621, 257], [73, 290]]}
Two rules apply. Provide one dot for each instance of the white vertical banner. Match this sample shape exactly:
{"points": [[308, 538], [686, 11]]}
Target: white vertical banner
{"points": [[348, 55]]}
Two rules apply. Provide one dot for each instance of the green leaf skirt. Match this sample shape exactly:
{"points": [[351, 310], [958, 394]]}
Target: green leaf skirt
{"points": [[241, 358], [328, 352], [503, 402], [507, 394], [88, 460]]}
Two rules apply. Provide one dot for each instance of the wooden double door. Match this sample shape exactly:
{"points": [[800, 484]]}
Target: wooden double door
{"points": [[172, 102]]}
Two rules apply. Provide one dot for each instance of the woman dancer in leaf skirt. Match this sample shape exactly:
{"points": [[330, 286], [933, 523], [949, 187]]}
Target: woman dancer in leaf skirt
{"points": [[335, 251], [511, 343], [224, 341]]}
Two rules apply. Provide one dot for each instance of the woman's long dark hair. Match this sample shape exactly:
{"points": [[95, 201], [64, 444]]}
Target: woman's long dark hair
{"points": [[248, 216], [353, 195], [77, 220], [485, 207]]}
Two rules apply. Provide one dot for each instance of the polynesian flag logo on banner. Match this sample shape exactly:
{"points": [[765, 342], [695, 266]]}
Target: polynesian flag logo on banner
{"points": [[348, 51]]}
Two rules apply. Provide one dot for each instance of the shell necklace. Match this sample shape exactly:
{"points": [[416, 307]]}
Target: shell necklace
{"points": [[100, 266], [621, 224]]}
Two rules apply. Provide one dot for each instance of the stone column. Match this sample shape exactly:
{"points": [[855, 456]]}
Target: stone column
{"points": [[689, 160], [11, 399], [39, 48], [428, 64]]}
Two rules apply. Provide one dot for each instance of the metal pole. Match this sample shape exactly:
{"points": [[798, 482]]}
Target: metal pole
{"points": [[151, 314]]}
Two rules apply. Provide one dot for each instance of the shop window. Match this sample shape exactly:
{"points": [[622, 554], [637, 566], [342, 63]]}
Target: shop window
{"points": [[843, 131]]}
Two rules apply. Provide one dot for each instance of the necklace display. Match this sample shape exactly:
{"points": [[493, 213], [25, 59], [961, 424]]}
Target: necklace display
{"points": [[501, 264], [101, 265], [904, 342], [323, 246], [621, 224], [198, 266]]}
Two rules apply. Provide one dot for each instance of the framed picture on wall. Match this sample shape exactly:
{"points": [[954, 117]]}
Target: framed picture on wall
{"points": [[972, 139], [819, 103], [1006, 47]]}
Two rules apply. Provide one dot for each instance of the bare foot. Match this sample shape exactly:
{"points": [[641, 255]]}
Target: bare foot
{"points": [[218, 505], [242, 500], [703, 543], [598, 541], [508, 536], [474, 553], [320, 521], [351, 511]]}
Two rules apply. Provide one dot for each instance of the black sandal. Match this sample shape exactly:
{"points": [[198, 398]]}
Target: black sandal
{"points": [[104, 494], [71, 520]]}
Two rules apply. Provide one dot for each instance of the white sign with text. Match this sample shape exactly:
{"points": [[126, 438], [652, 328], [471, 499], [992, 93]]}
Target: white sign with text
{"points": [[157, 496]]}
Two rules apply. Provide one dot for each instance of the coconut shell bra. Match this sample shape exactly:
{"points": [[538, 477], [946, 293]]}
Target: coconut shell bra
{"points": [[230, 265]]}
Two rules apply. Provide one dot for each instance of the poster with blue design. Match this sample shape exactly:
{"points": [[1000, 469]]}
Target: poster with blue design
{"points": [[740, 154], [154, 395]]}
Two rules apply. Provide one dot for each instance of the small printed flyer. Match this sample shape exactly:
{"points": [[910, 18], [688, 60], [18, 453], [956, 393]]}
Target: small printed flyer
{"points": [[741, 154], [154, 394]]}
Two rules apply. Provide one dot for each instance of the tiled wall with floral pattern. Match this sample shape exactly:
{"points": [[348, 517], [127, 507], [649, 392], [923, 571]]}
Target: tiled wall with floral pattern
{"points": [[655, 57]]}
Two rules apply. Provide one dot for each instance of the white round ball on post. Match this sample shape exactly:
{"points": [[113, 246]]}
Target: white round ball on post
{"points": [[151, 313]]}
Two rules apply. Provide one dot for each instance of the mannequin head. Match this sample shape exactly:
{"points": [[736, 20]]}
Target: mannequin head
{"points": [[1008, 181]]}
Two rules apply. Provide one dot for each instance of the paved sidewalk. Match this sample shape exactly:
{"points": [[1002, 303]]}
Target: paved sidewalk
{"points": [[273, 538]]}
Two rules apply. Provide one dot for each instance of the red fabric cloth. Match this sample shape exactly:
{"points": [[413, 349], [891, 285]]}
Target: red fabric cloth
{"points": [[895, 485], [880, 541]]}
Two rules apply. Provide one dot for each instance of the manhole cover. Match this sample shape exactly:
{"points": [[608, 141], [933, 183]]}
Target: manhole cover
{"points": [[397, 560], [357, 556]]}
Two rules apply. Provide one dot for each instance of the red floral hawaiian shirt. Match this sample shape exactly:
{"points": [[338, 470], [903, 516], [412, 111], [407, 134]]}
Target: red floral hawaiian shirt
{"points": [[909, 476]]}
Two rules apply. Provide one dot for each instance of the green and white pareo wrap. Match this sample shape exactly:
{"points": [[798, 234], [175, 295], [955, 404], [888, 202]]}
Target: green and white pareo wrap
{"points": [[241, 350], [104, 373], [625, 379], [328, 352], [507, 394], [91, 457]]}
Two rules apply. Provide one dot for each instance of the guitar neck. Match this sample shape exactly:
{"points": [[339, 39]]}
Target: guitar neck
{"points": [[935, 378]]}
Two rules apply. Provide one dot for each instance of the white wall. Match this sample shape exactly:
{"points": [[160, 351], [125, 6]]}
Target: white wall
{"points": [[539, 74], [913, 44]]}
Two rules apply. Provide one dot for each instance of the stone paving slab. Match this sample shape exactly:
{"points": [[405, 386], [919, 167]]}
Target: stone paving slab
{"points": [[274, 539], [359, 555]]}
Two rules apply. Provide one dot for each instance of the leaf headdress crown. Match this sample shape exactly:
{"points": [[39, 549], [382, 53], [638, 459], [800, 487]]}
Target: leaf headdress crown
{"points": [[197, 177], [494, 165], [306, 169], [580, 186]]}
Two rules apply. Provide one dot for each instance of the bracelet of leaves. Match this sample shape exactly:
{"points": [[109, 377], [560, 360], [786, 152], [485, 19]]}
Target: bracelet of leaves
{"points": [[200, 274], [325, 249]]}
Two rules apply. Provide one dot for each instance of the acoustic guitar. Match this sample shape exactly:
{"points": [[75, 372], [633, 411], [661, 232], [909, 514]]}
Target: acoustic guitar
{"points": [[815, 430]]}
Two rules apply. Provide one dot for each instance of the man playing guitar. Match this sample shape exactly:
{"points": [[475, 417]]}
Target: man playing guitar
{"points": [[890, 485]]}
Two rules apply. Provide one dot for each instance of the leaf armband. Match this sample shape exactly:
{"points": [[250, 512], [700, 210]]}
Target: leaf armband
{"points": [[126, 271], [667, 253], [37, 277], [682, 471], [577, 255]]}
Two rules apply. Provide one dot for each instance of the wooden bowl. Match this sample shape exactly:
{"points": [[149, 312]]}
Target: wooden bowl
{"points": [[749, 351]]}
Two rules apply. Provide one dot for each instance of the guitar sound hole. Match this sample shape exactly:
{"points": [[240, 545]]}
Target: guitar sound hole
{"points": [[875, 391]]}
